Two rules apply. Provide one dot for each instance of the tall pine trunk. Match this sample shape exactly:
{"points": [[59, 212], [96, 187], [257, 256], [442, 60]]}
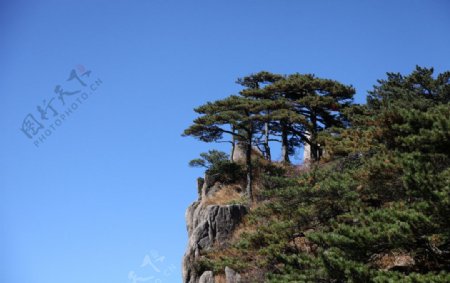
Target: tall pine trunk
{"points": [[284, 144], [266, 141], [314, 147], [248, 161], [233, 144]]}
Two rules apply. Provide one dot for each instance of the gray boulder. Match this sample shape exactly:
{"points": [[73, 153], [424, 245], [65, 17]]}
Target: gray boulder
{"points": [[207, 277], [232, 276]]}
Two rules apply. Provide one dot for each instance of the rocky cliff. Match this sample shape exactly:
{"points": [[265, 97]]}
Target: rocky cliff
{"points": [[209, 225]]}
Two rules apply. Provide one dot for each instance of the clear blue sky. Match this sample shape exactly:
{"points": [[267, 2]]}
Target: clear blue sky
{"points": [[111, 183]]}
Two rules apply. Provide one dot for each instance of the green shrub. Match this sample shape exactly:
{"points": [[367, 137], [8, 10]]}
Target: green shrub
{"points": [[217, 164]]}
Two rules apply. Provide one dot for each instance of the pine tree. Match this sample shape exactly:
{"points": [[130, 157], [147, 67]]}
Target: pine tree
{"points": [[235, 116], [314, 104], [254, 84]]}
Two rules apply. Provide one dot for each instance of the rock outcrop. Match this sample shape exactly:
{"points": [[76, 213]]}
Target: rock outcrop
{"points": [[207, 277], [239, 152], [208, 225], [232, 276]]}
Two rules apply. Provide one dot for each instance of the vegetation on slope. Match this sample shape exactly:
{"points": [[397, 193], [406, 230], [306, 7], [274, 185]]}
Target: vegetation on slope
{"points": [[376, 208]]}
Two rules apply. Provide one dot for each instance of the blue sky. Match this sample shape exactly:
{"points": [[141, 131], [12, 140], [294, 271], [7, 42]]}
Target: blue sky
{"points": [[110, 185]]}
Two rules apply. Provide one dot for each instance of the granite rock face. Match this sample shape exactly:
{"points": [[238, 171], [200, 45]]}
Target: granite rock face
{"points": [[207, 277], [208, 225], [239, 152], [232, 276]]}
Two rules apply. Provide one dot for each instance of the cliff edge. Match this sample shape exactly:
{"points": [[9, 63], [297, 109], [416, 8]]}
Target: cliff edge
{"points": [[210, 223]]}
